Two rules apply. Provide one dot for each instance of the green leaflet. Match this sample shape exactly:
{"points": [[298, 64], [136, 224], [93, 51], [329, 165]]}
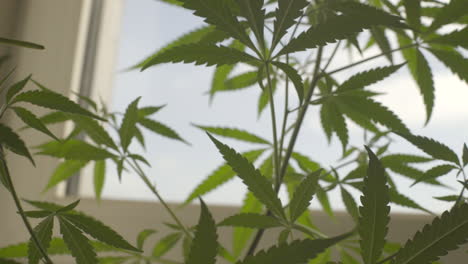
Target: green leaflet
{"points": [[285, 17], [378, 34], [374, 110], [240, 81], [64, 171], [251, 177], [99, 177], [4, 79], [98, 230], [255, 15], [54, 117], [208, 54], [160, 129], [16, 88], [68, 208], [220, 14], [206, 34], [465, 155], [250, 220], [366, 78], [454, 38], [322, 197], [434, 148], [149, 110], [337, 122], [454, 61], [127, 128], [43, 232], [205, 243], [142, 236], [357, 17], [413, 13], [448, 198], [52, 100], [454, 10], [94, 130], [305, 163], [165, 244], [445, 233], [31, 120], [350, 204], [404, 158], [293, 76], [297, 252], [74, 150], [77, 243], [374, 211], [13, 142], [20, 43], [303, 195], [3, 174], [234, 133], [322, 258], [241, 235], [402, 200], [435, 172], [409, 172]]}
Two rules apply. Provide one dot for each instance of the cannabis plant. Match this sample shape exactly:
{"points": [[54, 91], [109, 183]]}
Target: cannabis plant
{"points": [[282, 44]]}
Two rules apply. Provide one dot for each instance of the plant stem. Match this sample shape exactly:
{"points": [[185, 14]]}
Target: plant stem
{"points": [[143, 176], [273, 124], [12, 190]]}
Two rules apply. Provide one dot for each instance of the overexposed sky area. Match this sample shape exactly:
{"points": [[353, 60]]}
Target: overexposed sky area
{"points": [[177, 168]]}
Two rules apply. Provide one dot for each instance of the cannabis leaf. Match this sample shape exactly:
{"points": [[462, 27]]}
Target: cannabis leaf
{"points": [[445, 233], [294, 76], [303, 195], [454, 61], [435, 172], [413, 13], [74, 149], [449, 13], [31, 120], [256, 182], [94, 130], [374, 211], [366, 78], [255, 15], [99, 177], [77, 243], [16, 88], [43, 232], [235, 134], [142, 236], [205, 245], [160, 129], [285, 17], [64, 171], [454, 38], [165, 244], [127, 128], [13, 142], [250, 220]]}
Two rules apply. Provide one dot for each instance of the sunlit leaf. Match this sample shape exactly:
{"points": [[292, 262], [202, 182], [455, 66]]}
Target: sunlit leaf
{"points": [[64, 171]]}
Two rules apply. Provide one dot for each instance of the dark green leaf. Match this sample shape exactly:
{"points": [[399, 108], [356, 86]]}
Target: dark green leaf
{"points": [[13, 142], [435, 240], [285, 17], [402, 200], [350, 204], [448, 198], [16, 88], [465, 155], [255, 15], [293, 76], [435, 172], [165, 244], [160, 129], [77, 243], [219, 14], [37, 214], [4, 79], [303, 195], [250, 220], [205, 243], [235, 134], [434, 148], [200, 54], [256, 182], [366, 78], [374, 211], [404, 158], [98, 230], [127, 128], [454, 38], [297, 252], [68, 208], [378, 34], [43, 232], [454, 61], [21, 43], [31, 120], [336, 121], [356, 18], [54, 101], [94, 130], [99, 177], [413, 13], [322, 197], [74, 149], [449, 13], [142, 236], [64, 171]]}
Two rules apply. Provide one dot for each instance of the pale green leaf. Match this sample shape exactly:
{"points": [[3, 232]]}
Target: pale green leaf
{"points": [[250, 220], [21, 43], [240, 81], [305, 163], [205, 243], [127, 128], [374, 211], [98, 230], [143, 236], [99, 177], [322, 197], [251, 177], [160, 129], [64, 171], [404, 158], [303, 195], [73, 149], [431, 147], [13, 142], [94, 130], [234, 133], [43, 232], [77, 243], [445, 233], [165, 244]]}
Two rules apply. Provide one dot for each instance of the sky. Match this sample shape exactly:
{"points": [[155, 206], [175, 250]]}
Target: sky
{"points": [[178, 168]]}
